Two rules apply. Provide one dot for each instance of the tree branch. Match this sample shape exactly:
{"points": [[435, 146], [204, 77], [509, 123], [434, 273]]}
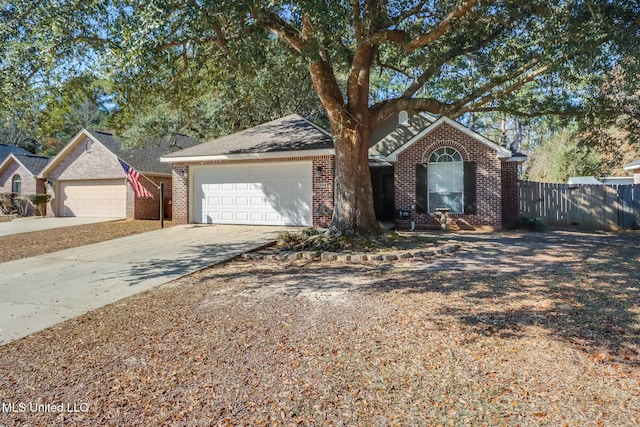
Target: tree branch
{"points": [[460, 108], [446, 57], [380, 111], [280, 28], [441, 28]]}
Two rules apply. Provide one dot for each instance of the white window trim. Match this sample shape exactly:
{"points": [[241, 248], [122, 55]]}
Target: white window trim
{"points": [[431, 209]]}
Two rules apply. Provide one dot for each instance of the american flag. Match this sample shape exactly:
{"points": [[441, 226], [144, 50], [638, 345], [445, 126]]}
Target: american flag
{"points": [[134, 179]]}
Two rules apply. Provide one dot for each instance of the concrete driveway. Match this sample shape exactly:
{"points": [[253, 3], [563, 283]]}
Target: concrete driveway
{"points": [[42, 291], [36, 223]]}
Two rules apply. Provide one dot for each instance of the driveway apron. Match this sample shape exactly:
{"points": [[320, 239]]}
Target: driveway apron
{"points": [[45, 290]]}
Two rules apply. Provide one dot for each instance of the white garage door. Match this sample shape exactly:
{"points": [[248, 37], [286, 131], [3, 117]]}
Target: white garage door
{"points": [[94, 198], [260, 194]]}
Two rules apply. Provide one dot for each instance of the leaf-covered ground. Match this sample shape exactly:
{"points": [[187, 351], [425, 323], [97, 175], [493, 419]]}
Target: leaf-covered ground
{"points": [[515, 329], [25, 245]]}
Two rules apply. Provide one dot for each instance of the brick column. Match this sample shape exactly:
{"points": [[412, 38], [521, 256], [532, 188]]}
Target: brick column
{"points": [[636, 176], [180, 193], [509, 177]]}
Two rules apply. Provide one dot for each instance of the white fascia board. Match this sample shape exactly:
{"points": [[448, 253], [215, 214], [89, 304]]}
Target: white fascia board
{"points": [[501, 152], [632, 167], [248, 156]]}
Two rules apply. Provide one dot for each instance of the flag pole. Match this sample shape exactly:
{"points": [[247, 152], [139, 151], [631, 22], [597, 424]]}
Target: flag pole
{"points": [[161, 190]]}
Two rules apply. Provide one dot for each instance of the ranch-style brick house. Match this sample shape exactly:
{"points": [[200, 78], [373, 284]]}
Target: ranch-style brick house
{"points": [[282, 172], [86, 178]]}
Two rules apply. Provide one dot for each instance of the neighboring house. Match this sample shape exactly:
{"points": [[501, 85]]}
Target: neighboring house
{"points": [[282, 173], [86, 178], [19, 175], [635, 168]]}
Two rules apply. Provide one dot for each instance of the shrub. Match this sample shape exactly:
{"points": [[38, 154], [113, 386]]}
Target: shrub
{"points": [[40, 202], [530, 223], [7, 203]]}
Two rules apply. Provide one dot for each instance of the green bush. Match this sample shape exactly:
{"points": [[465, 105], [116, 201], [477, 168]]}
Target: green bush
{"points": [[40, 202], [530, 223]]}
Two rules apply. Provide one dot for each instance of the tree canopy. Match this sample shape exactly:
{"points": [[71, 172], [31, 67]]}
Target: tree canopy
{"points": [[367, 59]]}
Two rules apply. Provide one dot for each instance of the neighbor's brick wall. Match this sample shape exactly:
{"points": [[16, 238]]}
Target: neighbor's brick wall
{"points": [[150, 208], [510, 209], [29, 185], [488, 178], [79, 164], [322, 182], [180, 191]]}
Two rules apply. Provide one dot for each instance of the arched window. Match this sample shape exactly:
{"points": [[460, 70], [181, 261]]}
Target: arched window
{"points": [[446, 180], [16, 185]]}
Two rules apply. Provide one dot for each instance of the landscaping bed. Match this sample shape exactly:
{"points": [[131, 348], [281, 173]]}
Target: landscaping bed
{"points": [[514, 329]]}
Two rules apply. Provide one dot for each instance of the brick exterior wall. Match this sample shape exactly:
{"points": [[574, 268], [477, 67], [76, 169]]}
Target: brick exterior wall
{"points": [[322, 184], [510, 209], [150, 208], [323, 187], [80, 164], [636, 177], [100, 163], [180, 190], [488, 178], [29, 182]]}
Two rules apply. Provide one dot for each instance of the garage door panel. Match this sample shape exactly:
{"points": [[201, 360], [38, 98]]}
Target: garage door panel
{"points": [[271, 194], [93, 198]]}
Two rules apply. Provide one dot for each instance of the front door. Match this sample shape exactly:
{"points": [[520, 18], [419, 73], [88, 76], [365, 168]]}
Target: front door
{"points": [[383, 194]]}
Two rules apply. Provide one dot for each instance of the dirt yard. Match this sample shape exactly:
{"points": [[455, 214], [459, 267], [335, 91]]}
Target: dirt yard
{"points": [[514, 329], [25, 245]]}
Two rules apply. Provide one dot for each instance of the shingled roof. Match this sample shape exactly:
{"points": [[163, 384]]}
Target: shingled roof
{"points": [[32, 162], [6, 149], [289, 133], [145, 157]]}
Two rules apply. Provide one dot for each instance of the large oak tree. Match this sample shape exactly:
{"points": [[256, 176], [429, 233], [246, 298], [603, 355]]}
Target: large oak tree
{"points": [[446, 57]]}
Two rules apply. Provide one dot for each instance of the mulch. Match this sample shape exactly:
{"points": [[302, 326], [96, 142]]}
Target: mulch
{"points": [[516, 329]]}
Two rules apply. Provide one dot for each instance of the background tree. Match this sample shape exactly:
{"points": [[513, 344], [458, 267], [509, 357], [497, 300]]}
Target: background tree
{"points": [[446, 57], [560, 157]]}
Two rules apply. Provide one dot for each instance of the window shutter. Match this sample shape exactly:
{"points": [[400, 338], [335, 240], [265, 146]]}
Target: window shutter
{"points": [[421, 188], [470, 201]]}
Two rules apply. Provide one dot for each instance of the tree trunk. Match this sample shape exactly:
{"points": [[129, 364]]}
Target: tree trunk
{"points": [[353, 211], [353, 197]]}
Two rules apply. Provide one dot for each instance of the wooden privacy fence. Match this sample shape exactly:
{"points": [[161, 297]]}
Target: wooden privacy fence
{"points": [[591, 207]]}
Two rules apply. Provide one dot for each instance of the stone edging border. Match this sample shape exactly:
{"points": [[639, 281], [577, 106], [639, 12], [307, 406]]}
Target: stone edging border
{"points": [[354, 258]]}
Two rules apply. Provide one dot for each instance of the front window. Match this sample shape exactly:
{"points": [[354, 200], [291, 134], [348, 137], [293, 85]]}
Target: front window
{"points": [[446, 180], [16, 185]]}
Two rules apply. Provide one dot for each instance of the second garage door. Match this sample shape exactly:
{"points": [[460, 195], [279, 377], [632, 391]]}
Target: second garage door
{"points": [[258, 193], [105, 198]]}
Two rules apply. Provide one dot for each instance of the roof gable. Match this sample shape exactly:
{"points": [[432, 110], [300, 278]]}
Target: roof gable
{"points": [[31, 162], [501, 152], [144, 158], [399, 135], [287, 134]]}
